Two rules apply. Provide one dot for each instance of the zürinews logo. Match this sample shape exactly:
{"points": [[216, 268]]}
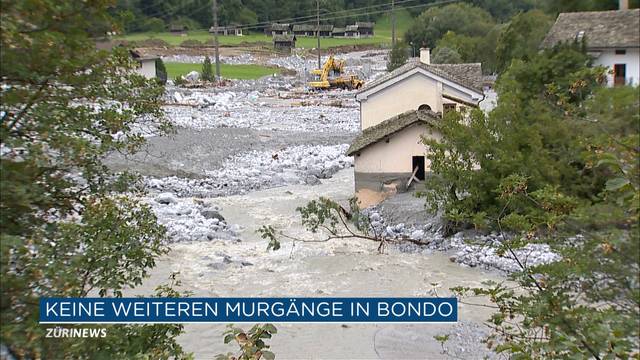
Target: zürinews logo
{"points": [[239, 310]]}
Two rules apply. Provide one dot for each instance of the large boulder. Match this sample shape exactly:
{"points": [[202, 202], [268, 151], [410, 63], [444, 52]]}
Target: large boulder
{"points": [[192, 76]]}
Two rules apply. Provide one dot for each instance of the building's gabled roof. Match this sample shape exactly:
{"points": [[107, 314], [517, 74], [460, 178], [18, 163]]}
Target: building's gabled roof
{"points": [[304, 27], [601, 29], [223, 28], [140, 55], [373, 134], [351, 28], [309, 27], [365, 25], [284, 38], [324, 27], [337, 30], [279, 27], [466, 75]]}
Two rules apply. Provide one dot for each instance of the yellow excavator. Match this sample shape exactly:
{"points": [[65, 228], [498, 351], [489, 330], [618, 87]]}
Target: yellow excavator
{"points": [[330, 76]]}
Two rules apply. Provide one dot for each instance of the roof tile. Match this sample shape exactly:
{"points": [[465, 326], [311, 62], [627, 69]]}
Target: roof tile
{"points": [[602, 29]]}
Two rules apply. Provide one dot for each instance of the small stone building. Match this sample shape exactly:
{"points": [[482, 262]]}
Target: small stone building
{"points": [[278, 29], [351, 31], [304, 30], [147, 63], [338, 32], [284, 43], [364, 29], [178, 29], [310, 30], [324, 30], [359, 29]]}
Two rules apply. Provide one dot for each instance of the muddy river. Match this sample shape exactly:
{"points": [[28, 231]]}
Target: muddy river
{"points": [[231, 268]]}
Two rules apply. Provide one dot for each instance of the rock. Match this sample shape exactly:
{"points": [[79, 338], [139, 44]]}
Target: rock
{"points": [[166, 198], [311, 180], [212, 214], [417, 234], [375, 217], [192, 76], [177, 97]]}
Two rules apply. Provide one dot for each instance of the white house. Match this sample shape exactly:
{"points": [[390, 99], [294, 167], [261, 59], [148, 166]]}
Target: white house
{"points": [[147, 66], [611, 37], [398, 109]]}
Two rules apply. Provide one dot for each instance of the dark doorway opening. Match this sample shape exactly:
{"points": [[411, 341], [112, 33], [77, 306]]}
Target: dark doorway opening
{"points": [[418, 162], [619, 74]]}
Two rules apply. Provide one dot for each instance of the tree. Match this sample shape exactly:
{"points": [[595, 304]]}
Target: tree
{"points": [[397, 57], [586, 304], [433, 23], [502, 10], [473, 48], [527, 134], [445, 55], [161, 71], [207, 70], [556, 162], [153, 25], [522, 37], [67, 229]]}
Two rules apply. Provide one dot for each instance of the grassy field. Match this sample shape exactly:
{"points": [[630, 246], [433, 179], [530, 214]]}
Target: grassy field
{"points": [[382, 37], [203, 36], [227, 71]]}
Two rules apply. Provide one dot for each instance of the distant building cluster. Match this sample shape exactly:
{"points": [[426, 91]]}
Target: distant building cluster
{"points": [[357, 30]]}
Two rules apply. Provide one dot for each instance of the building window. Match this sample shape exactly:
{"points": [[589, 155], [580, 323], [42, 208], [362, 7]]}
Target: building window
{"points": [[448, 107], [621, 51], [424, 107], [619, 74]]}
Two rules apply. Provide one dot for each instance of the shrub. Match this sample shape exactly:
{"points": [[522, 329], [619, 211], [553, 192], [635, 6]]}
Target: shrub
{"points": [[207, 71], [161, 71]]}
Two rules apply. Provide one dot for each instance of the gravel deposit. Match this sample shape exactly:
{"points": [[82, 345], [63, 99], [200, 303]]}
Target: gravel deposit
{"points": [[261, 116], [467, 248], [190, 220], [256, 170], [242, 59]]}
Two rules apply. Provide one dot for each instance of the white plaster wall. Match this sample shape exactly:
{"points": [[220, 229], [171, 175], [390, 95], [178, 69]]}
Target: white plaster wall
{"points": [[147, 68], [403, 96], [396, 155], [608, 58]]}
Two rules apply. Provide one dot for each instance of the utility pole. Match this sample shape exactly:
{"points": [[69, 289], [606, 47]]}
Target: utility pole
{"points": [[393, 23], [215, 38], [318, 30]]}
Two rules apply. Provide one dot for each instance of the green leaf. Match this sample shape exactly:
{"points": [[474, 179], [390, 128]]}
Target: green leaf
{"points": [[616, 183]]}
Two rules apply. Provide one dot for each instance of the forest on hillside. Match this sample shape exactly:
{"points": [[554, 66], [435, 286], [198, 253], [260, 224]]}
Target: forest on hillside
{"points": [[160, 15]]}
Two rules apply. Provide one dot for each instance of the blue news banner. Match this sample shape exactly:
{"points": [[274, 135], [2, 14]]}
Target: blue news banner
{"points": [[237, 310]]}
